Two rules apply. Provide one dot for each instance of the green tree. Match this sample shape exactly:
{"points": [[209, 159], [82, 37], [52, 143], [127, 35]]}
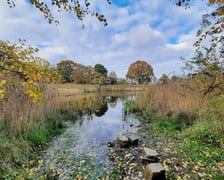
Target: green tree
{"points": [[140, 72], [65, 70], [101, 69]]}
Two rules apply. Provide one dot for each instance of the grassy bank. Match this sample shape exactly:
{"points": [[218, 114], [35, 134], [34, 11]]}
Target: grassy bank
{"points": [[26, 128], [191, 127]]}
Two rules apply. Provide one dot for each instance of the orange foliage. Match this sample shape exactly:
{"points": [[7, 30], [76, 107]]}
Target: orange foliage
{"points": [[140, 71]]}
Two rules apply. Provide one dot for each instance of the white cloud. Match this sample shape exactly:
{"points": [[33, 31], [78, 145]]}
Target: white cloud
{"points": [[154, 31]]}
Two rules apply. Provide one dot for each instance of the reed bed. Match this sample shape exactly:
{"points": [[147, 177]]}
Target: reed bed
{"points": [[170, 97], [17, 109]]}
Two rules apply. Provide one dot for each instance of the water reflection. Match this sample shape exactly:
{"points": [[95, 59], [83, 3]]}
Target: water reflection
{"points": [[90, 134]]}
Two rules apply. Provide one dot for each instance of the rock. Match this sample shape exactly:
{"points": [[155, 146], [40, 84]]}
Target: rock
{"points": [[146, 160], [122, 141], [150, 155], [110, 144], [154, 171], [133, 139], [127, 139]]}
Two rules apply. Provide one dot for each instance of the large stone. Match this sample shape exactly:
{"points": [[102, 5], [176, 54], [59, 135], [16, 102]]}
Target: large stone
{"points": [[127, 139], [133, 139], [122, 141], [154, 171], [150, 155]]}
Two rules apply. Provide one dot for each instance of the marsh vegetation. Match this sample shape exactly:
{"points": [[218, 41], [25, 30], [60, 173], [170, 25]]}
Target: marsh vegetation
{"points": [[190, 124]]}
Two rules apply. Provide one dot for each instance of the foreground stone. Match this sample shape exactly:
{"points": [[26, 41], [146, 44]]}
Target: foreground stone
{"points": [[122, 141], [150, 155], [126, 140], [154, 171]]}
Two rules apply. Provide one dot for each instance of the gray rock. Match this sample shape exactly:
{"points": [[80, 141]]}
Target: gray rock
{"points": [[150, 156], [127, 139], [133, 139], [122, 141], [154, 171], [150, 153]]}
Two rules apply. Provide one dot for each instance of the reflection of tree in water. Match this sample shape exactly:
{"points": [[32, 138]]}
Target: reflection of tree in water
{"points": [[101, 111], [88, 105], [112, 101]]}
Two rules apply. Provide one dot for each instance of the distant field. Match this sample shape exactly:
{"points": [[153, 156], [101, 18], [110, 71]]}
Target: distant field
{"points": [[77, 89]]}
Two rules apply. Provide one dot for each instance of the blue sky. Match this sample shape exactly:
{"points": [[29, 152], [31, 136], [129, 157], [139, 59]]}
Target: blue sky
{"points": [[155, 31]]}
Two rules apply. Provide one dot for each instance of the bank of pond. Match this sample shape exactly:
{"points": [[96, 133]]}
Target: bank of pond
{"points": [[107, 137]]}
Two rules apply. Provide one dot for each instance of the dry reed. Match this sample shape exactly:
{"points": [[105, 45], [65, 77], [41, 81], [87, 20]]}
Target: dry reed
{"points": [[170, 97], [17, 109]]}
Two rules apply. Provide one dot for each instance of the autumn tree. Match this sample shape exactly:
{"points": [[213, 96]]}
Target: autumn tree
{"points": [[86, 75], [20, 68], [163, 79], [140, 72], [112, 77], [101, 69], [78, 8], [208, 64], [65, 70]]}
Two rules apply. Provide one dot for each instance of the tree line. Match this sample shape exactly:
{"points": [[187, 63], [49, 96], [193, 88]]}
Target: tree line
{"points": [[21, 70], [139, 72]]}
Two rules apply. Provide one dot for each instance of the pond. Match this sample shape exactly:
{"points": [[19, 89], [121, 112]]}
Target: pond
{"points": [[83, 148]]}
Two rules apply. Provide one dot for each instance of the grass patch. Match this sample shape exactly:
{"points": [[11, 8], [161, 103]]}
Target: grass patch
{"points": [[17, 150], [195, 152], [40, 134]]}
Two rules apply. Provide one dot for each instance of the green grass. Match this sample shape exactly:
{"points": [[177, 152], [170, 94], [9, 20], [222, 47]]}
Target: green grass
{"points": [[40, 134], [16, 150], [198, 149]]}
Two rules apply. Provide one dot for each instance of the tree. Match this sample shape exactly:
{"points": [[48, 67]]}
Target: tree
{"points": [[140, 71], [79, 8], [164, 79], [112, 77], [65, 69], [101, 69], [21, 71], [86, 75], [208, 64]]}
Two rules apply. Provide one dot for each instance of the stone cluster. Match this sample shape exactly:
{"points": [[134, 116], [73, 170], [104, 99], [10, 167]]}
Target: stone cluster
{"points": [[153, 169]]}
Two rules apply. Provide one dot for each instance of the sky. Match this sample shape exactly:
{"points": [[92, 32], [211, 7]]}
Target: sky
{"points": [[155, 31]]}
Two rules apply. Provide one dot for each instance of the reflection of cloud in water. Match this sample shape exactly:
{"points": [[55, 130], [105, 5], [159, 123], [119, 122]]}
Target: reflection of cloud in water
{"points": [[112, 104], [89, 137]]}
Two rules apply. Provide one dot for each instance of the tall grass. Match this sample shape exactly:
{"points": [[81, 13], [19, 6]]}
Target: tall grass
{"points": [[18, 109], [169, 97], [24, 126]]}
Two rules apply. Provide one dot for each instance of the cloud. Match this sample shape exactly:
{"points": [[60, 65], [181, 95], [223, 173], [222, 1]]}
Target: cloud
{"points": [[154, 31], [139, 36]]}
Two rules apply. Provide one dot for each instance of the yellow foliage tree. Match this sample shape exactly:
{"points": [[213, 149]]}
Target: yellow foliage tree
{"points": [[19, 66]]}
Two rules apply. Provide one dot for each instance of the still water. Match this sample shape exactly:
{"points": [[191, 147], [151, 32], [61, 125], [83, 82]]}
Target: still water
{"points": [[87, 138]]}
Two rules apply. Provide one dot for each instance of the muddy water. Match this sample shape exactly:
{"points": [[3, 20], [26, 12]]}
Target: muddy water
{"points": [[82, 148]]}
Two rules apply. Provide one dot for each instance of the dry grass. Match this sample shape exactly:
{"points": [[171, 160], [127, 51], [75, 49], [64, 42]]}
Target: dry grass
{"points": [[75, 89], [17, 109], [68, 93], [170, 97], [124, 88]]}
